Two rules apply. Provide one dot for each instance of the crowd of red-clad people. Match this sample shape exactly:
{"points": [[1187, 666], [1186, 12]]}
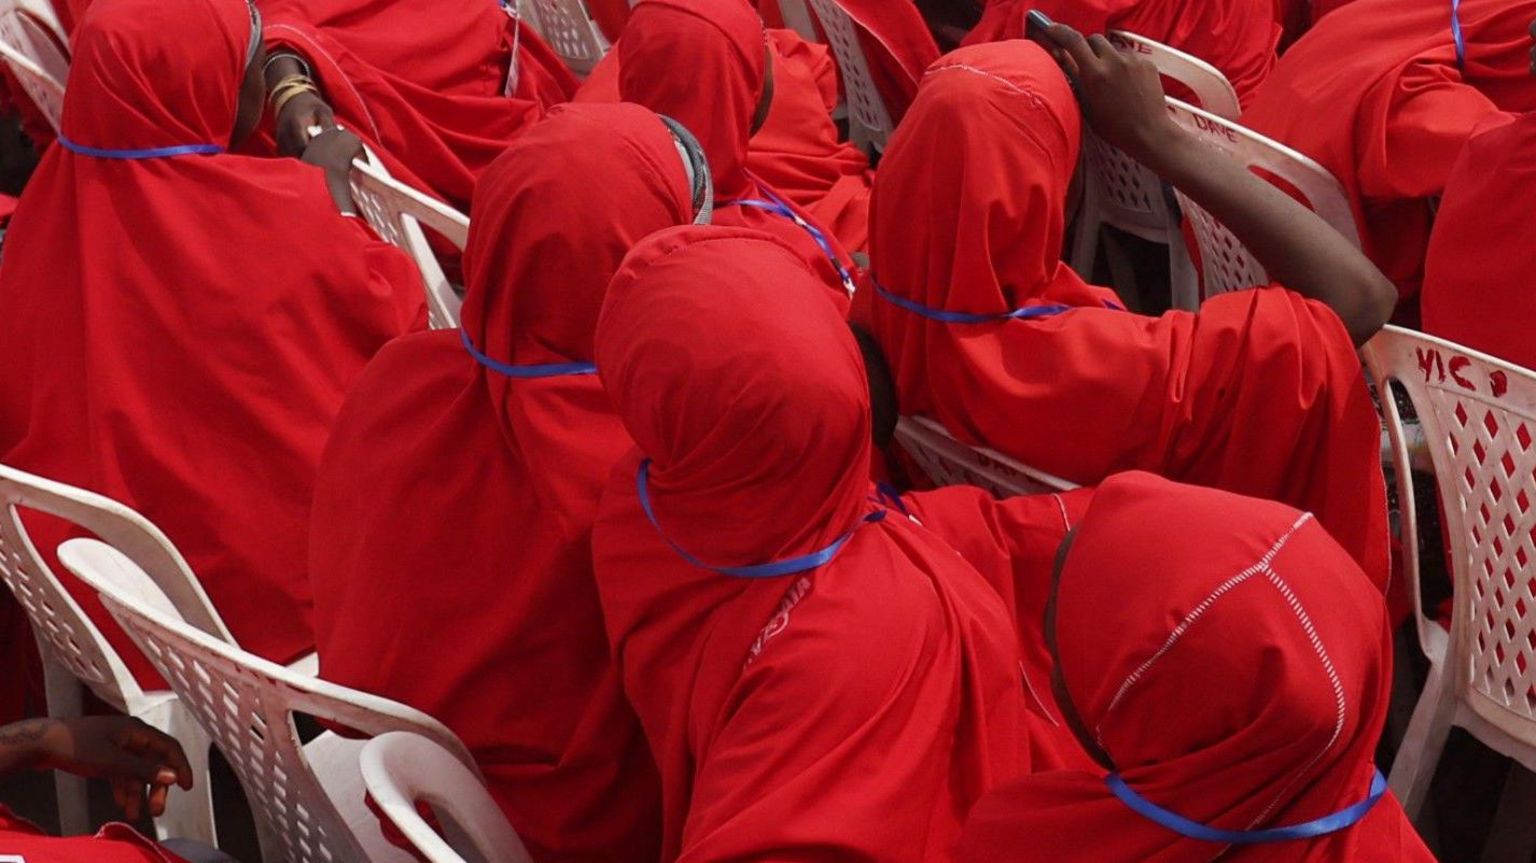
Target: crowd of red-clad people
{"points": [[637, 530]]}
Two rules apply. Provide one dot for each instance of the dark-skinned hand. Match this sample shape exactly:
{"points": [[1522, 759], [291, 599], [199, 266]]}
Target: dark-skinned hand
{"points": [[140, 762], [300, 114], [334, 149], [1121, 94]]}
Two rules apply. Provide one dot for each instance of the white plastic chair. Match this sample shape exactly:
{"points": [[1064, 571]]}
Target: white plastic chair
{"points": [[398, 212], [1479, 416], [797, 17], [570, 31], [1120, 192], [949, 462], [76, 655], [33, 45], [402, 769], [308, 799], [1225, 264], [870, 123]]}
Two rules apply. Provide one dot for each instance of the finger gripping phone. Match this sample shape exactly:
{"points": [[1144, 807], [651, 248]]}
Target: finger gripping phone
{"points": [[1035, 25]]}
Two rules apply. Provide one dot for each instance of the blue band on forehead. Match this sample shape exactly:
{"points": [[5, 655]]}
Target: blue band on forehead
{"points": [[540, 370], [144, 153], [1195, 830], [1461, 42]]}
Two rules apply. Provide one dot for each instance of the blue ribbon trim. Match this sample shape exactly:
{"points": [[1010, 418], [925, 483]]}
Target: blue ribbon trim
{"points": [[1195, 830], [1461, 42], [772, 569], [545, 370], [151, 153], [779, 207]]}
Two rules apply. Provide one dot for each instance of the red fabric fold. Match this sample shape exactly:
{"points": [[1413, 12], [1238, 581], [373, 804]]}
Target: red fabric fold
{"points": [[1476, 288], [852, 711], [179, 331], [1244, 687], [1374, 94], [489, 485], [113, 843], [1260, 392]]}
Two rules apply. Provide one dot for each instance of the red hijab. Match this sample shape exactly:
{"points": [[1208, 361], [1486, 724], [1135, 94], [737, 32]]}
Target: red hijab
{"points": [[113, 843], [723, 47], [1477, 277], [1259, 393], [192, 366], [1236, 36], [423, 82], [509, 471], [1374, 92], [851, 710], [1244, 688]]}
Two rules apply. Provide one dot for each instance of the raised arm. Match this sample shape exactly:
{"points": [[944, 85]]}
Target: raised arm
{"points": [[1122, 100]]}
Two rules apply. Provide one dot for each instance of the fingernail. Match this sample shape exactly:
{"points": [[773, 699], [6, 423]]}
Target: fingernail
{"points": [[166, 776]]}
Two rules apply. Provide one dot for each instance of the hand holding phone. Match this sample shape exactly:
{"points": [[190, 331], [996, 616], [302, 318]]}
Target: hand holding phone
{"points": [[1035, 25]]}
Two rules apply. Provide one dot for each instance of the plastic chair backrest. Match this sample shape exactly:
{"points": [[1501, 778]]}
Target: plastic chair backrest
{"points": [[1226, 264], [33, 45], [949, 462], [1131, 195], [402, 769], [64, 632], [246, 704], [867, 111], [1479, 417], [570, 31], [797, 17], [398, 212]]}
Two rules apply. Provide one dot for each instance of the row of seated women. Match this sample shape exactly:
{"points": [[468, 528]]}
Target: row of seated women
{"points": [[619, 532]]}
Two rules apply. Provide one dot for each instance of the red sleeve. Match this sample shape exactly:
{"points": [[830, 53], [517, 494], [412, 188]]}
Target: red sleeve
{"points": [[1430, 115]]}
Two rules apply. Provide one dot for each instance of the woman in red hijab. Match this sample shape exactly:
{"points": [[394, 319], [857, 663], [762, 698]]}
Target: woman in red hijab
{"points": [[1477, 287], [723, 96], [1384, 94], [1237, 706], [989, 333], [178, 325], [438, 89], [819, 678], [478, 457], [1238, 37]]}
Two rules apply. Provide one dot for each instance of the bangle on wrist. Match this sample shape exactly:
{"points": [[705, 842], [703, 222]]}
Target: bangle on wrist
{"points": [[282, 96], [286, 55]]}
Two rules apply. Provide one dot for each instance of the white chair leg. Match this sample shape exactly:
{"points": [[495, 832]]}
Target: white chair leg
{"points": [[1513, 837], [65, 696], [1419, 753], [188, 814]]}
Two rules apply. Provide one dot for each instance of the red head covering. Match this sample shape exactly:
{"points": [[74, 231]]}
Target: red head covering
{"points": [[1476, 279], [508, 471], [1238, 37], [723, 46], [1244, 687], [190, 366], [114, 843], [851, 710], [424, 82], [1260, 393], [1374, 92]]}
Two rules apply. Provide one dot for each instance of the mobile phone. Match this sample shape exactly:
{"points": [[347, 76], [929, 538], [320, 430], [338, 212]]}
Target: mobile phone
{"points": [[1035, 25]]}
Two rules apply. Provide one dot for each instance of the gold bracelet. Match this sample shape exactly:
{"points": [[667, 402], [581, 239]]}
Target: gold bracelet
{"points": [[289, 81], [288, 96]]}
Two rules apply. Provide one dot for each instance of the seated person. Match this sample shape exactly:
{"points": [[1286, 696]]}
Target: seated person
{"points": [[141, 763], [179, 324], [503, 434], [1476, 278], [989, 333], [1384, 94], [725, 96], [819, 677], [1237, 705]]}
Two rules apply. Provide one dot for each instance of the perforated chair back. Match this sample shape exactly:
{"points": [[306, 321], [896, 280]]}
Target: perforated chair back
{"points": [[947, 461], [398, 212], [401, 770], [1225, 263], [1124, 194], [246, 704], [868, 116], [570, 31], [1479, 418], [75, 654], [33, 45]]}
